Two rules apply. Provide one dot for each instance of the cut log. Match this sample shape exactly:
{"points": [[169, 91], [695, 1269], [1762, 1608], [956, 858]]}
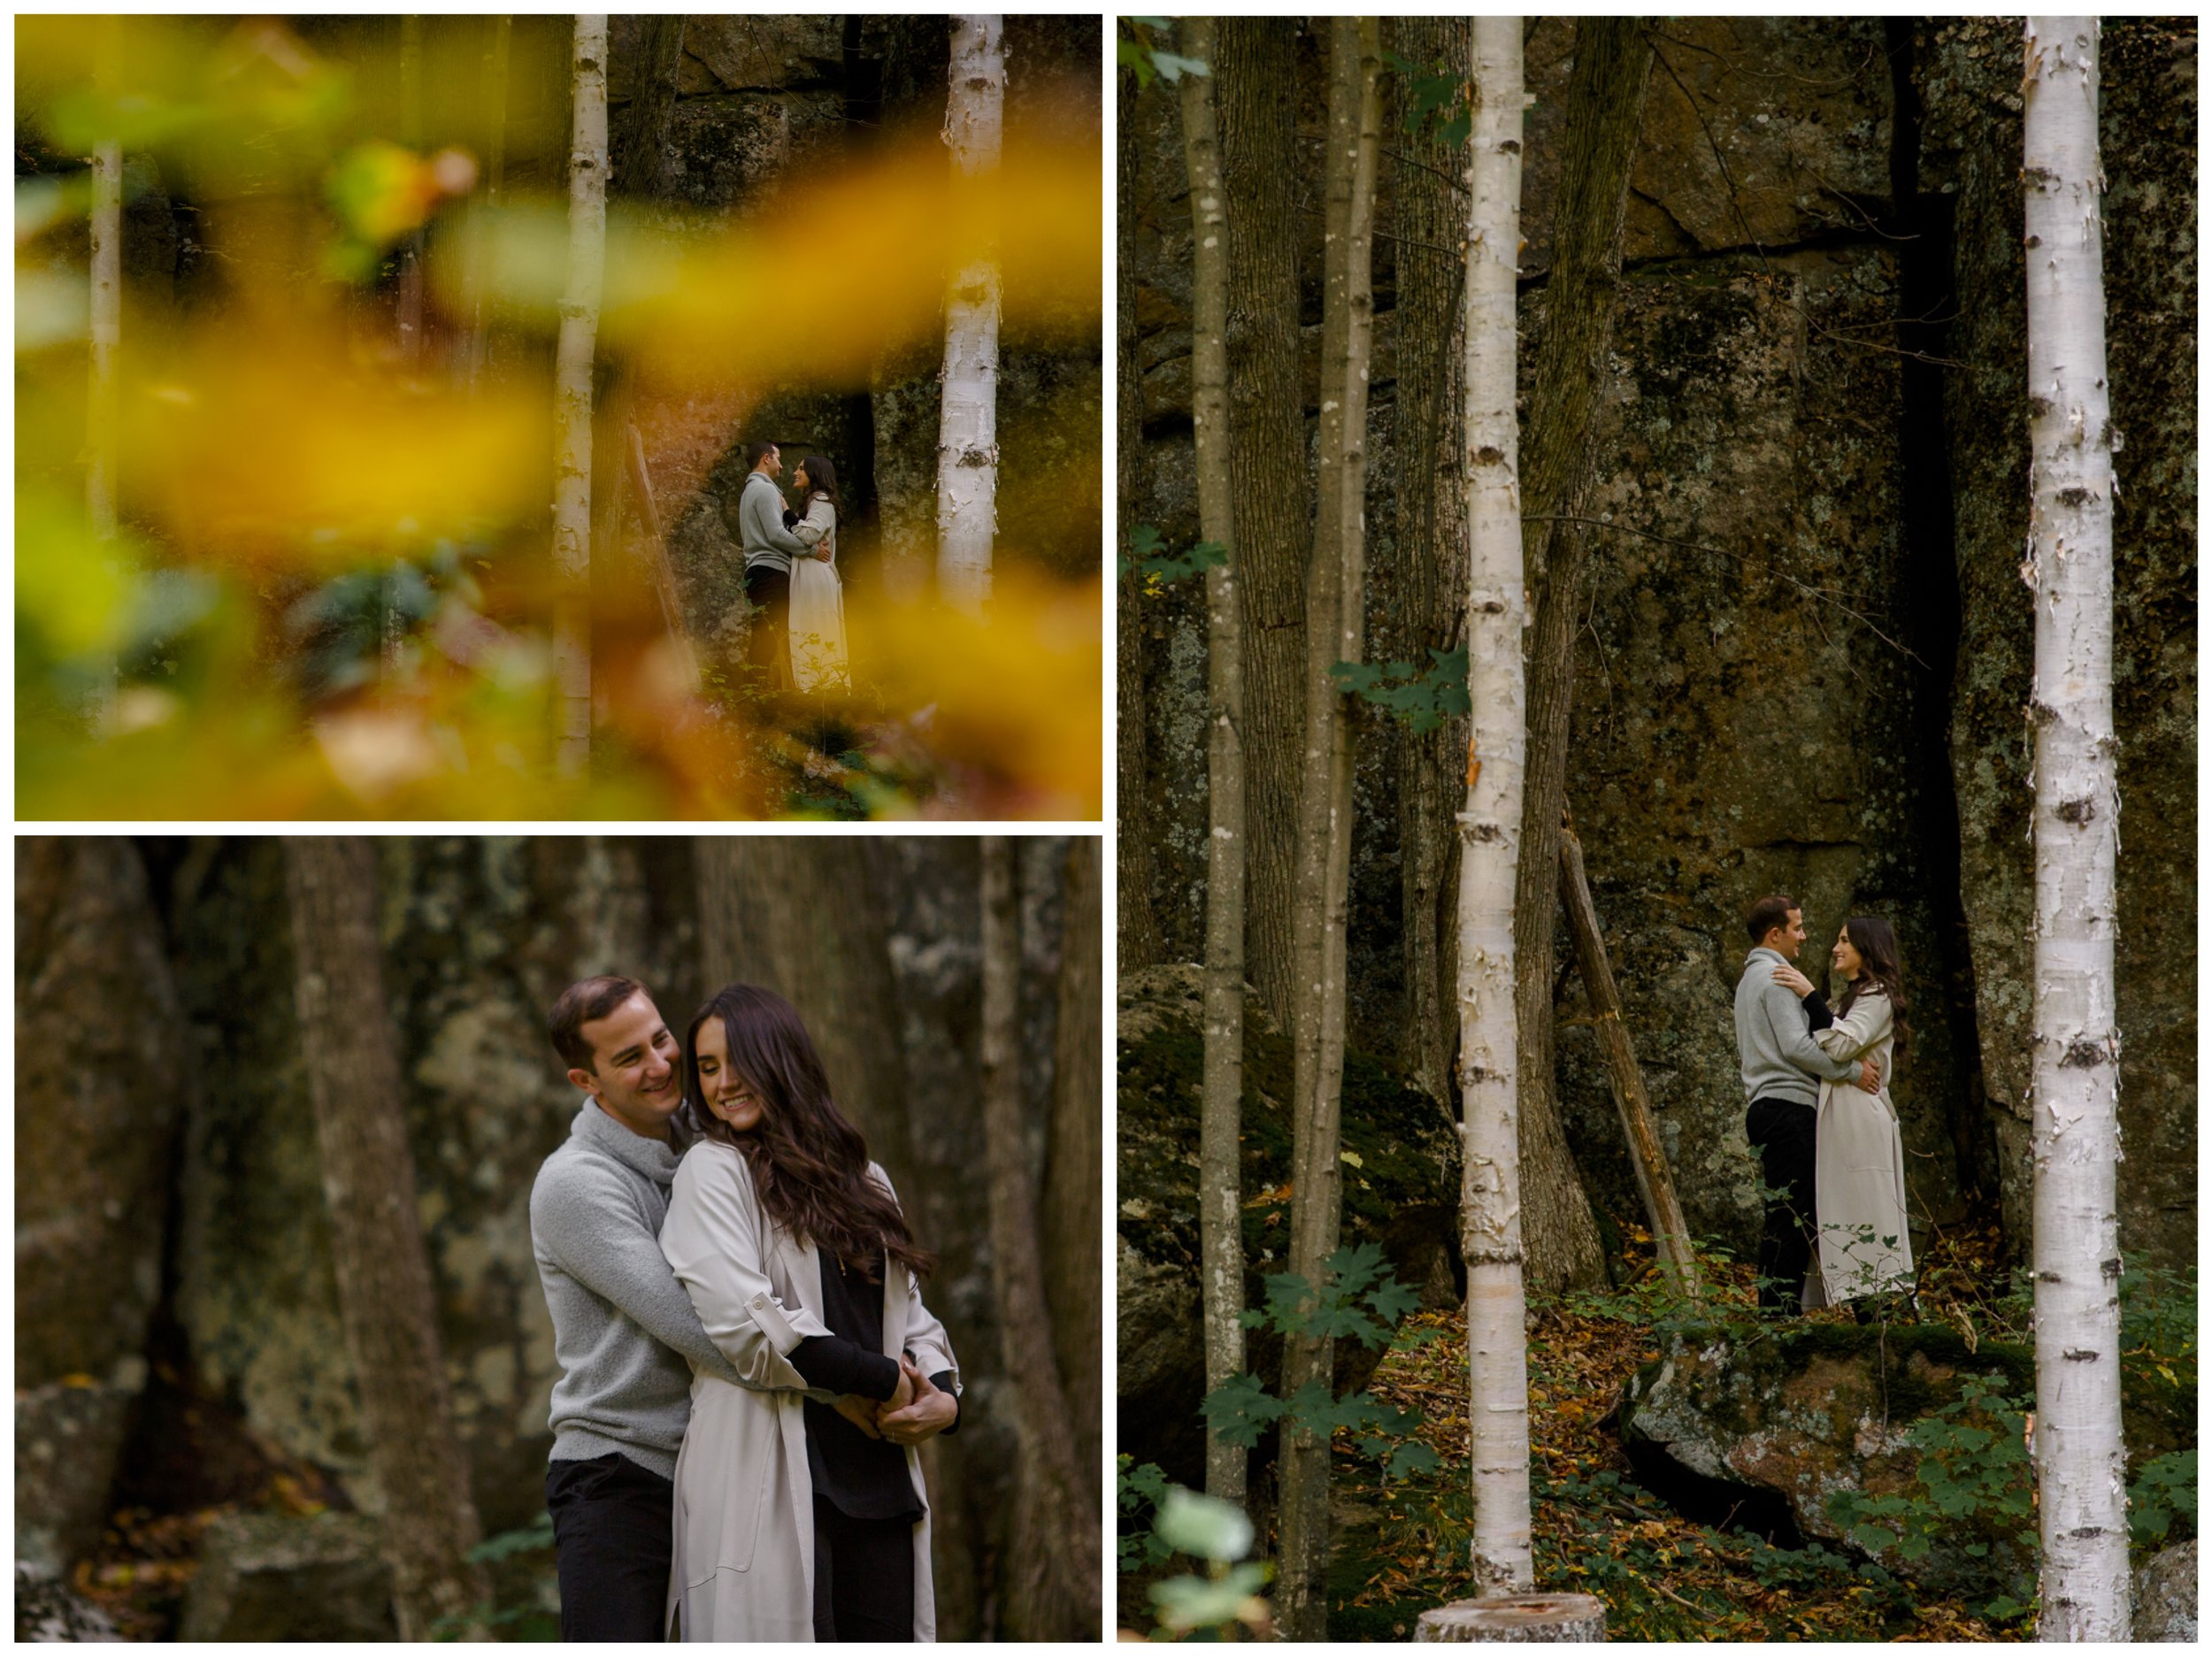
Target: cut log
{"points": [[1528, 1617], [1654, 1182]]}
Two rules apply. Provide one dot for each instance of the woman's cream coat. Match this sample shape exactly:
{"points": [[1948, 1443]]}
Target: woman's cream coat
{"points": [[1859, 1165], [744, 1562]]}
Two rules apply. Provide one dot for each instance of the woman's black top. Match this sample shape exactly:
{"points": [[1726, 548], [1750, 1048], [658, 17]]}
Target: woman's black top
{"points": [[862, 1478]]}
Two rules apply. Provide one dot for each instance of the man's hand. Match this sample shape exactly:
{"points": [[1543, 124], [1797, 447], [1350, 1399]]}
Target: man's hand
{"points": [[1870, 1076], [930, 1412], [858, 1411], [902, 1395], [822, 553], [1795, 982]]}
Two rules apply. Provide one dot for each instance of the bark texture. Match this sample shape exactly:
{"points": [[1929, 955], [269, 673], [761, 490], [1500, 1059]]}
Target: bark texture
{"points": [[1490, 829], [967, 425], [640, 153], [385, 1299], [1136, 936], [1429, 578], [1054, 1591], [572, 388], [2074, 1080], [1605, 101], [1074, 1151], [1221, 1216], [1335, 618], [1551, 1618], [1261, 166]]}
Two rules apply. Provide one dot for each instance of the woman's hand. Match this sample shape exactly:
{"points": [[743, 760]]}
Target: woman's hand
{"points": [[858, 1411], [931, 1411], [1798, 985]]}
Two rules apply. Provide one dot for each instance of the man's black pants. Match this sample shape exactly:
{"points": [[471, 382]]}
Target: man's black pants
{"points": [[863, 1576], [613, 1542], [1782, 1133], [768, 589]]}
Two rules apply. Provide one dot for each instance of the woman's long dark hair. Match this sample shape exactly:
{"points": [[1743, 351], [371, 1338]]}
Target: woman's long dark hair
{"points": [[1877, 945], [810, 1165], [821, 480]]}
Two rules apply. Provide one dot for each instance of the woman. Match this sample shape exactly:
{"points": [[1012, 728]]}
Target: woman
{"points": [[818, 596], [799, 1512], [1859, 1155]]}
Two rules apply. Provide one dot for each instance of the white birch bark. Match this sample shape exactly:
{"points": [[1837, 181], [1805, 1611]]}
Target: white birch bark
{"points": [[572, 391], [1490, 828], [1335, 617], [1220, 1217], [2080, 1466], [967, 421]]}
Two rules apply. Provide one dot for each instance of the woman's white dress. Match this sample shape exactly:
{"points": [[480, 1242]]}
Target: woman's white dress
{"points": [[1859, 1165], [744, 1526], [817, 604]]}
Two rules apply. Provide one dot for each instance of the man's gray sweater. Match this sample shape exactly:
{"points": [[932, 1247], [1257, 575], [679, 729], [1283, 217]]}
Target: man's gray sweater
{"points": [[1780, 1059], [760, 530], [623, 1330]]}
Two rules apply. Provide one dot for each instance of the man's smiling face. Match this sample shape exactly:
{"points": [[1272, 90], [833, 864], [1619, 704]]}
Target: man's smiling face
{"points": [[634, 1074], [1787, 938]]}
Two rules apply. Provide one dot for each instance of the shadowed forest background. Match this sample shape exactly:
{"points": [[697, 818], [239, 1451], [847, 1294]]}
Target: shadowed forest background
{"points": [[1800, 650], [332, 586], [192, 1457]]}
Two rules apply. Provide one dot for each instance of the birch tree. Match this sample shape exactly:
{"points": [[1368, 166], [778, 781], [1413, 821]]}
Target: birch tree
{"points": [[1490, 829], [1220, 1219], [572, 391], [2080, 1462], [1334, 618], [967, 420]]}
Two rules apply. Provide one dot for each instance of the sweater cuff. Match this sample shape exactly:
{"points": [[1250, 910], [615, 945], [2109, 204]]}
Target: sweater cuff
{"points": [[839, 1366], [1818, 1016], [942, 1382]]}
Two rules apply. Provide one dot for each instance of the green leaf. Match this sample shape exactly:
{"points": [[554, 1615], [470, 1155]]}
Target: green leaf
{"points": [[1423, 699], [1239, 1409], [1191, 1524], [1189, 1603], [1873, 1539], [1409, 1459]]}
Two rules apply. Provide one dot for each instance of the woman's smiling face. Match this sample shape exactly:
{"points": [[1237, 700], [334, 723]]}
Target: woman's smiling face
{"points": [[1846, 955], [727, 1095]]}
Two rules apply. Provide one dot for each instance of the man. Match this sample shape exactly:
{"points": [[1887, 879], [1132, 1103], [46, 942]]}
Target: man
{"points": [[623, 1330], [769, 548], [1783, 1068]]}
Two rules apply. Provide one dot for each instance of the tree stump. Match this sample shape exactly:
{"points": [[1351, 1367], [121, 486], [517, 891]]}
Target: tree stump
{"points": [[1546, 1617]]}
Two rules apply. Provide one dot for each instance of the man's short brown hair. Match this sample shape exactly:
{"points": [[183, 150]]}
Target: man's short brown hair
{"points": [[585, 1000], [754, 451], [1769, 913]]}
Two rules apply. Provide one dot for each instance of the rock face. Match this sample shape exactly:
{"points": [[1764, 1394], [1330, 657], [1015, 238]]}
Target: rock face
{"points": [[2166, 1595], [1401, 1190], [47, 1609], [1807, 647], [266, 1577], [1792, 1418]]}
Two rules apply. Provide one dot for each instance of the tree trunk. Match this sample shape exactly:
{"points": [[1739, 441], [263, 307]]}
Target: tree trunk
{"points": [[1334, 626], [1551, 1618], [2081, 1470], [638, 155], [573, 391], [1430, 577], [385, 1298], [1646, 1152], [1604, 114], [1490, 829], [1221, 1206], [1261, 165], [1074, 1155], [967, 426], [1136, 933], [1053, 1591]]}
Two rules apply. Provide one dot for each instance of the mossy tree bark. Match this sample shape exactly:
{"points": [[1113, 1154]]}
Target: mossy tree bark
{"points": [[1430, 575], [1221, 1237], [2081, 1469], [1256, 62], [1605, 101], [1335, 606], [1136, 933], [1054, 1591], [382, 1265]]}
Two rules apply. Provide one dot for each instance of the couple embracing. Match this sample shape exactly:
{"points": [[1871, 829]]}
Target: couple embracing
{"points": [[747, 1366], [798, 628], [1821, 1118]]}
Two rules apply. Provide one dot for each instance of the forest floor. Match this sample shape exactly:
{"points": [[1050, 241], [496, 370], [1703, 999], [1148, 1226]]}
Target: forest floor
{"points": [[1662, 1576]]}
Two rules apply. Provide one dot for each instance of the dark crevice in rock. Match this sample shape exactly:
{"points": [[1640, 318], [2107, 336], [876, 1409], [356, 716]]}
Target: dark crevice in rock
{"points": [[1716, 1502], [1929, 604]]}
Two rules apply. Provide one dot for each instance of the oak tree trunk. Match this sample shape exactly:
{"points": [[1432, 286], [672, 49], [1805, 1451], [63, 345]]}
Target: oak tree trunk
{"points": [[967, 426], [1334, 626], [2081, 1470], [572, 389], [385, 1299]]}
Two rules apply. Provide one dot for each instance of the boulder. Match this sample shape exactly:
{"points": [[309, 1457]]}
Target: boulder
{"points": [[68, 1435], [47, 1609], [269, 1577], [2166, 1595], [1401, 1190], [1773, 1425]]}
